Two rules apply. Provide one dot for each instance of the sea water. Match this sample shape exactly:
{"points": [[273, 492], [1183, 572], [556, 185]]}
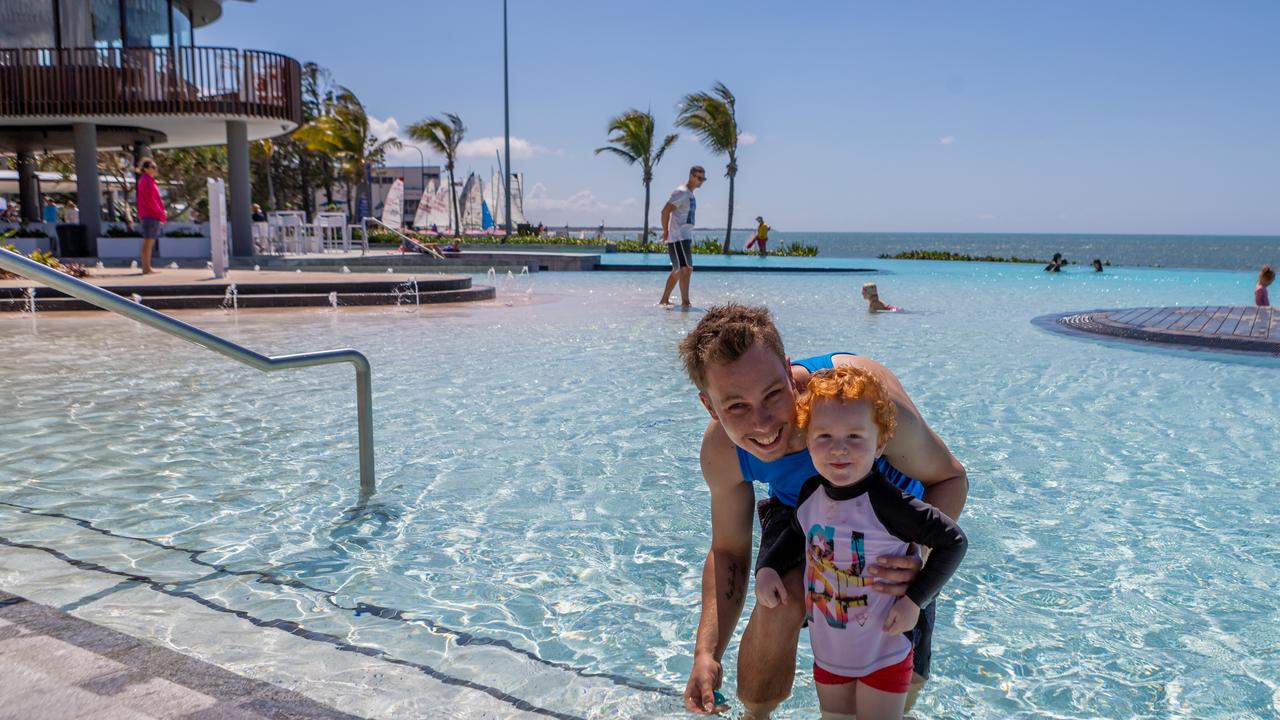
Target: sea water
{"points": [[539, 482]]}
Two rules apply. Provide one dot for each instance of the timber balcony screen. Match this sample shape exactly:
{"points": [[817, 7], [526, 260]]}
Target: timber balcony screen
{"points": [[149, 81]]}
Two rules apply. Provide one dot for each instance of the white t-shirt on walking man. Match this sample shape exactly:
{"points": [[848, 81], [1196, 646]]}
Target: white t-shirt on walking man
{"points": [[680, 226]]}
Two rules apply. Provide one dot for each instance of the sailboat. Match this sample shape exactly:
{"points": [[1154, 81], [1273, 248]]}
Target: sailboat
{"points": [[471, 203], [393, 206]]}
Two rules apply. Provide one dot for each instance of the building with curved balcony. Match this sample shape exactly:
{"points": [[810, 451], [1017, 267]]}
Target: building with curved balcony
{"points": [[79, 75]]}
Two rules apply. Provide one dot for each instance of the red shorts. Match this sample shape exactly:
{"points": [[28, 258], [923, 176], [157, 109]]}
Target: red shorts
{"points": [[893, 679]]}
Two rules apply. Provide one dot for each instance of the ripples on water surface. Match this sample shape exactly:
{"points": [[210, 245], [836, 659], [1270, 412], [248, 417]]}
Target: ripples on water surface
{"points": [[538, 477]]}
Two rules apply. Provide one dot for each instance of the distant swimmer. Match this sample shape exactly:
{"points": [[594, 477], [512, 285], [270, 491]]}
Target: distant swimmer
{"points": [[874, 304], [1055, 265], [1097, 265]]}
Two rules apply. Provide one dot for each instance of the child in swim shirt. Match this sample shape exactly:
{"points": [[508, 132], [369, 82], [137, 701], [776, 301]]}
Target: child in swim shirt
{"points": [[872, 296], [846, 514]]}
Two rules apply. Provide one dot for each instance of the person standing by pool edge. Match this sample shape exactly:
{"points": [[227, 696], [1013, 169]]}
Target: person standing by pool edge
{"points": [[735, 358], [677, 232], [150, 211], [1265, 278], [761, 238]]}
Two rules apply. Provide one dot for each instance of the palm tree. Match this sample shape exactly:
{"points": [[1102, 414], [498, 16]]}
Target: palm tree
{"points": [[711, 117], [343, 134], [444, 135], [631, 138], [268, 150]]}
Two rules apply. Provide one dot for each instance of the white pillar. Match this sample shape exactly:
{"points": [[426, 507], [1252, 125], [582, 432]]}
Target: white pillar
{"points": [[88, 192], [241, 213]]}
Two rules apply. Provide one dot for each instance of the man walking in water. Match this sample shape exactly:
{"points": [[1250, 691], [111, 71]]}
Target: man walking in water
{"points": [[736, 360], [677, 233]]}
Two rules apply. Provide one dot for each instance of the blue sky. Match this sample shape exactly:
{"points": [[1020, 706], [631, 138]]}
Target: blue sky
{"points": [[1081, 116]]}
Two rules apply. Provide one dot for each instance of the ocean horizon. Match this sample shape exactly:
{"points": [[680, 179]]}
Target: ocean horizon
{"points": [[1216, 252]]}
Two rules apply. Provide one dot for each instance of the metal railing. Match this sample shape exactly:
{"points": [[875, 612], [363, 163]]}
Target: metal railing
{"points": [[161, 81], [108, 300], [404, 238]]}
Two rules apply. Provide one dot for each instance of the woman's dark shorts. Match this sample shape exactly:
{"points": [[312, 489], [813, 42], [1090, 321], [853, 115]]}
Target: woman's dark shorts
{"points": [[681, 253], [150, 227], [776, 517]]}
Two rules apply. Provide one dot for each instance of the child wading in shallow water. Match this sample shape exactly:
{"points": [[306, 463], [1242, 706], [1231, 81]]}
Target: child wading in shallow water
{"points": [[872, 295], [849, 512]]}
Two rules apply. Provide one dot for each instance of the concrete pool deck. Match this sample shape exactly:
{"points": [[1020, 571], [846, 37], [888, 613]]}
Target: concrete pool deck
{"points": [[192, 288]]}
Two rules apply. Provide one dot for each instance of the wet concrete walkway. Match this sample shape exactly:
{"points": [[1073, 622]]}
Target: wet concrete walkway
{"points": [[57, 666]]}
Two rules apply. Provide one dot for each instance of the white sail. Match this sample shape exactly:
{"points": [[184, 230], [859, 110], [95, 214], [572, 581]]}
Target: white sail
{"points": [[498, 201], [471, 204], [421, 218], [393, 205], [517, 200]]}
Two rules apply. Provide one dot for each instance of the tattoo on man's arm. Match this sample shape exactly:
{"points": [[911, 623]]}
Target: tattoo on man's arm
{"points": [[732, 592]]}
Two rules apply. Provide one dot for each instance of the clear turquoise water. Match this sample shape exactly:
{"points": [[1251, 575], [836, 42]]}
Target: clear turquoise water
{"points": [[539, 484]]}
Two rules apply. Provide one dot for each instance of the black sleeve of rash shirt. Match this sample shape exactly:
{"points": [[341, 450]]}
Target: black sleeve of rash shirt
{"points": [[787, 551], [916, 521]]}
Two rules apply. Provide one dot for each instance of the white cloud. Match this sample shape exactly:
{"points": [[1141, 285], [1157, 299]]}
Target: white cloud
{"points": [[580, 208], [746, 138], [948, 140], [483, 148]]}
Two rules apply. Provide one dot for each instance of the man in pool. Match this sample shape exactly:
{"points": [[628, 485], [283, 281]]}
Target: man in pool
{"points": [[736, 359]]}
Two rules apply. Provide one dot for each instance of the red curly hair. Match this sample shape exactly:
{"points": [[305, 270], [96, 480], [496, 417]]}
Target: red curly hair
{"points": [[849, 383]]}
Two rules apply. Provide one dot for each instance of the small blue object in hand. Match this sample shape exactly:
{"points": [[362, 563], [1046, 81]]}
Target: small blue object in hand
{"points": [[719, 698]]}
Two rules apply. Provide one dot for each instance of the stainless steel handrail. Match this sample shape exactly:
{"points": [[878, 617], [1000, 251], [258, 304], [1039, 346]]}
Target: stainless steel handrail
{"points": [[402, 236], [108, 300]]}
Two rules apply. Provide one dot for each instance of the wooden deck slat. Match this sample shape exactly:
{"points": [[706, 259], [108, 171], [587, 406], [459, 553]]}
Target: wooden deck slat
{"points": [[1233, 319], [1204, 317], [1150, 312], [1128, 315], [1245, 327], [1262, 326], [1156, 319], [1187, 318], [1172, 318], [1219, 317]]}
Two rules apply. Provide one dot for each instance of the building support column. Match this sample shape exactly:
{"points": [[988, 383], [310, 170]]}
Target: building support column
{"points": [[140, 150], [240, 212], [28, 188], [88, 192]]}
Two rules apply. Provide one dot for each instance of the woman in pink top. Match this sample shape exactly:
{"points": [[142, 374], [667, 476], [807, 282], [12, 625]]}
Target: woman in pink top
{"points": [[1265, 278], [150, 212]]}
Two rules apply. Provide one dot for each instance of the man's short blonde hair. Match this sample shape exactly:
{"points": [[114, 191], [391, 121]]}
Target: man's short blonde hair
{"points": [[725, 334]]}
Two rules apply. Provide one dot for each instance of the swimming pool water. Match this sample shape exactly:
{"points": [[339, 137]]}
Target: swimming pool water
{"points": [[539, 485]]}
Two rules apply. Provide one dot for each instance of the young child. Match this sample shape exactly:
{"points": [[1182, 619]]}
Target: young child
{"points": [[872, 295], [846, 514], [1265, 278]]}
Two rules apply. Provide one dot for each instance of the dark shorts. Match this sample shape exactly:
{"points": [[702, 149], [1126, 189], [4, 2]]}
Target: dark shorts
{"points": [[681, 253], [150, 227], [776, 517]]}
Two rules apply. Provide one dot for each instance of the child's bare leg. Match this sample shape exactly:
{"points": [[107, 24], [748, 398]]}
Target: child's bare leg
{"points": [[838, 702], [876, 704], [913, 693]]}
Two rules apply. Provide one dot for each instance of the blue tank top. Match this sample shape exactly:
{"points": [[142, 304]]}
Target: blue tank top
{"points": [[786, 475]]}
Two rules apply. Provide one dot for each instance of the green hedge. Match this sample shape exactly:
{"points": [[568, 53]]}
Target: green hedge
{"points": [[944, 255]]}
